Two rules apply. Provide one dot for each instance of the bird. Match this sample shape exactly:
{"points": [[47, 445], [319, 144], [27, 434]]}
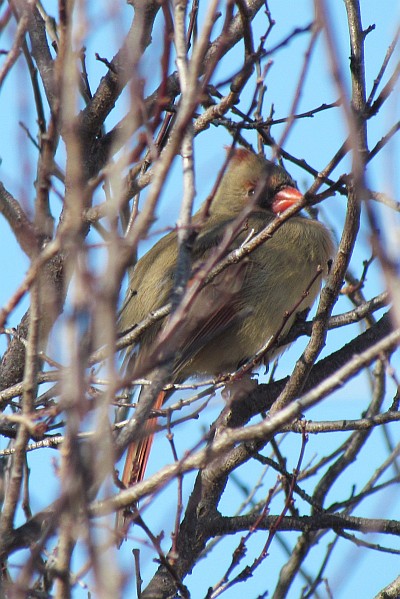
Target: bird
{"points": [[244, 305]]}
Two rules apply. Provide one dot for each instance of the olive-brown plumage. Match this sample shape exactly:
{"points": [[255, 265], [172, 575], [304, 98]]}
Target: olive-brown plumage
{"points": [[270, 282], [244, 305]]}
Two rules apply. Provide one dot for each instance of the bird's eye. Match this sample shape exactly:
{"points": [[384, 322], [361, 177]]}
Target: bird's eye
{"points": [[251, 191]]}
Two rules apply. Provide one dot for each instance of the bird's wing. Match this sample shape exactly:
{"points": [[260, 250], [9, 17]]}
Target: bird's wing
{"points": [[214, 310]]}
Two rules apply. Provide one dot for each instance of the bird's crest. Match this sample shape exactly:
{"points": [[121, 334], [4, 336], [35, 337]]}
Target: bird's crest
{"points": [[239, 155]]}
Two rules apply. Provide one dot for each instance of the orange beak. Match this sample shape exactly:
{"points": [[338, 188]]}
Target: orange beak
{"points": [[285, 198]]}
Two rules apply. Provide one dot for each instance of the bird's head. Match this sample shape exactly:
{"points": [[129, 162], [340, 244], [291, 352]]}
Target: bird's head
{"points": [[252, 178]]}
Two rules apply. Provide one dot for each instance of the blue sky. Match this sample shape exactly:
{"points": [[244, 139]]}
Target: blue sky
{"points": [[315, 141]]}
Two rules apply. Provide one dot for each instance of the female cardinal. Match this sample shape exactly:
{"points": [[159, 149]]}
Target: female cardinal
{"points": [[243, 306]]}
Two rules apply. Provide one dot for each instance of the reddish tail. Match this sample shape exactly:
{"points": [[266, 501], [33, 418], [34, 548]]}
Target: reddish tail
{"points": [[136, 460]]}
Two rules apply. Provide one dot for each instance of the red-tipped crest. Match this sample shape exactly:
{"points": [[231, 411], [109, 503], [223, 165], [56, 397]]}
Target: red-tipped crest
{"points": [[239, 154]]}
